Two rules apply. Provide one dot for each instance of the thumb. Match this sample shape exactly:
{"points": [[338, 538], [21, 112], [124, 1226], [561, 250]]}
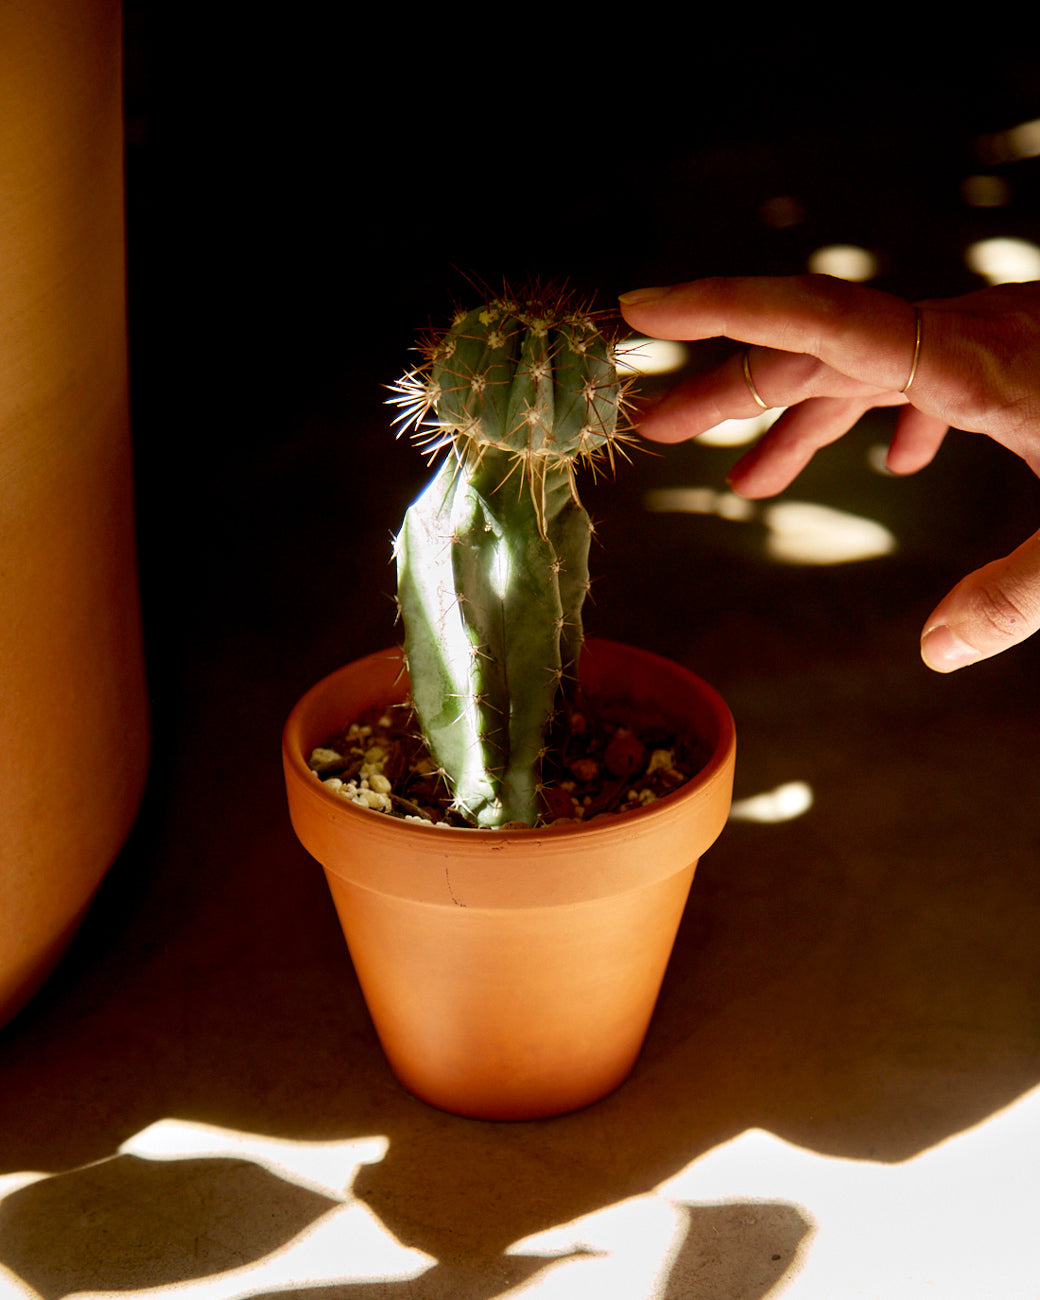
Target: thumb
{"points": [[990, 610]]}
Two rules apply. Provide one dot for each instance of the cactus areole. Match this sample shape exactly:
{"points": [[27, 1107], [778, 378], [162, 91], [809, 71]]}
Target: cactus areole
{"points": [[492, 558]]}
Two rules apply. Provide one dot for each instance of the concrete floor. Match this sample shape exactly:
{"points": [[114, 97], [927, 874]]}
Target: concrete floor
{"points": [[839, 1096]]}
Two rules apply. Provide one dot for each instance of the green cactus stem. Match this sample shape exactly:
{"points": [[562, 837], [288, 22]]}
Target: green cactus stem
{"points": [[492, 558]]}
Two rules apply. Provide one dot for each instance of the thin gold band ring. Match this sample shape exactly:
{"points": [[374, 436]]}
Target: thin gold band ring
{"points": [[750, 382], [917, 349]]}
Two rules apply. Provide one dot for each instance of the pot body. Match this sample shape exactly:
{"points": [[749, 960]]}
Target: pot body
{"points": [[512, 974], [73, 705]]}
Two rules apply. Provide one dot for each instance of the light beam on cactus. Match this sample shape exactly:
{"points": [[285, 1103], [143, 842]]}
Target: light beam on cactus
{"points": [[492, 558]]}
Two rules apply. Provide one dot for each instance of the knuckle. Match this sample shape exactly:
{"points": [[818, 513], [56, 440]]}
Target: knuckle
{"points": [[1005, 616], [828, 293], [807, 373]]}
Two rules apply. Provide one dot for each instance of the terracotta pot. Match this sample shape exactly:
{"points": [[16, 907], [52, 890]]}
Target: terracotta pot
{"points": [[512, 974], [73, 705]]}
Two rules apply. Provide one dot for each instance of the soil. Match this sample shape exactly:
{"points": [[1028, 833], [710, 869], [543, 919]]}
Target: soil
{"points": [[597, 765]]}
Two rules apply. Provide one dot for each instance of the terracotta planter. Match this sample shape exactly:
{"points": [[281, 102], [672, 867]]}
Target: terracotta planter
{"points": [[73, 705], [511, 974]]}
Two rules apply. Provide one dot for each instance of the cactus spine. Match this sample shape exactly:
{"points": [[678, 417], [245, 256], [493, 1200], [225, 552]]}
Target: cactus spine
{"points": [[492, 559]]}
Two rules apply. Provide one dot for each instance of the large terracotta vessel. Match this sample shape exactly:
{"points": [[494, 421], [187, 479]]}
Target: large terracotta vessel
{"points": [[512, 974], [73, 716]]}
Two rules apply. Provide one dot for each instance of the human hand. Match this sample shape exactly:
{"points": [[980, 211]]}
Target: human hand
{"points": [[828, 351]]}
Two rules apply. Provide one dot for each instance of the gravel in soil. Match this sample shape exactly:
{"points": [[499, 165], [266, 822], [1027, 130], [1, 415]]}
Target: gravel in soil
{"points": [[597, 764]]}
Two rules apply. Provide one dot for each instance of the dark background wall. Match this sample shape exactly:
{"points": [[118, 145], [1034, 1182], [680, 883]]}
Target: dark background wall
{"points": [[307, 190]]}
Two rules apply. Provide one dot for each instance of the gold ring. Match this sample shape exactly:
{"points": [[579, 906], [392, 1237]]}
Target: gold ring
{"points": [[751, 383], [917, 349]]}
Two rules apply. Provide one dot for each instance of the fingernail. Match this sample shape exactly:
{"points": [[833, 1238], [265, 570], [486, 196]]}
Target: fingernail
{"points": [[635, 297], [944, 651]]}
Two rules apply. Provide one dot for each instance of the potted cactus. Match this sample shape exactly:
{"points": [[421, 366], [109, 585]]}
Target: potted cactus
{"points": [[510, 967]]}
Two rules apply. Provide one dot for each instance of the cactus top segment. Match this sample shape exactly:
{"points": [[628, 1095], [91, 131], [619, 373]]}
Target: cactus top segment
{"points": [[532, 377], [513, 377]]}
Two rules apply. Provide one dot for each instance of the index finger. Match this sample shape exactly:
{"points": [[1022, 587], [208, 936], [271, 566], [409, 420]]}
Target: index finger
{"points": [[860, 332]]}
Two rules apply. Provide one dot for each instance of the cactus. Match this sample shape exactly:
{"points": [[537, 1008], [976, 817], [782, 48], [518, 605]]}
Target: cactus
{"points": [[492, 559]]}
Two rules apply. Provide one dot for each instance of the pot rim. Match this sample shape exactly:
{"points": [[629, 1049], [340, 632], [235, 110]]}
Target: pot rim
{"points": [[461, 866]]}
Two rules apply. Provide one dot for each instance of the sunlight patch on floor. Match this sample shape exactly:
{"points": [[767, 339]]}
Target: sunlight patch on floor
{"points": [[326, 1167], [1004, 260], [797, 532], [628, 1249], [782, 804], [844, 261], [803, 532], [738, 433], [792, 1221], [908, 1230], [345, 1245]]}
